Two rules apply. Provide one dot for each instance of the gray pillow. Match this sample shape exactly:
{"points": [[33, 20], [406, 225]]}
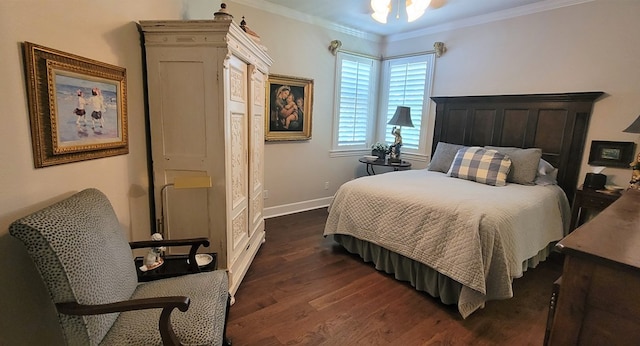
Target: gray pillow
{"points": [[443, 157], [524, 163]]}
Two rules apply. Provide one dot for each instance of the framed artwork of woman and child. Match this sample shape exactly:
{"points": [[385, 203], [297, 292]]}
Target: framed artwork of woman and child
{"points": [[289, 104]]}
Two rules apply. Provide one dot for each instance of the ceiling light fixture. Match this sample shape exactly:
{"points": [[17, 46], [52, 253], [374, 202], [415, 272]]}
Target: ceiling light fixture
{"points": [[415, 9]]}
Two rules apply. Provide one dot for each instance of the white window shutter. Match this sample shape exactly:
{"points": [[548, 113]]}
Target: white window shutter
{"points": [[355, 107], [407, 78]]}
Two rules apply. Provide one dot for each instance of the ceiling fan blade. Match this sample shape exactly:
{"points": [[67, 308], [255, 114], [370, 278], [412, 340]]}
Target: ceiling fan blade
{"points": [[437, 3], [366, 7]]}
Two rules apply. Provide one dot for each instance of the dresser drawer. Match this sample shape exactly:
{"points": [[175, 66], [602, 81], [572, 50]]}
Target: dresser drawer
{"points": [[596, 202]]}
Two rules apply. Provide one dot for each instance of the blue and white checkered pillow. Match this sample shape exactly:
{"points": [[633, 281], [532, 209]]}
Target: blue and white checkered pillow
{"points": [[481, 165]]}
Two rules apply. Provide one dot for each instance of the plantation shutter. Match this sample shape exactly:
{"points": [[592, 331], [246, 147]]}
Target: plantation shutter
{"points": [[407, 83], [355, 100]]}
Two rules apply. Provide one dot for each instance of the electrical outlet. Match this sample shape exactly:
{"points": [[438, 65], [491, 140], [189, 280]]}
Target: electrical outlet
{"points": [[265, 194], [326, 185]]}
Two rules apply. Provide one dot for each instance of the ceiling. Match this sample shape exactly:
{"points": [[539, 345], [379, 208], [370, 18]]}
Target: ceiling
{"points": [[356, 14]]}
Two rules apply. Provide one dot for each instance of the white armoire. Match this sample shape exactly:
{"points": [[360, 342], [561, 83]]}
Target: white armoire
{"points": [[206, 94]]}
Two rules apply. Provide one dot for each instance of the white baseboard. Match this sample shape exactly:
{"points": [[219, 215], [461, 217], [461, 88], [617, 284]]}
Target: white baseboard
{"points": [[292, 208]]}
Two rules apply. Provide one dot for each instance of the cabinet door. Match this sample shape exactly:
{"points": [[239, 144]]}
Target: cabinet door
{"points": [[179, 136], [256, 149], [236, 94]]}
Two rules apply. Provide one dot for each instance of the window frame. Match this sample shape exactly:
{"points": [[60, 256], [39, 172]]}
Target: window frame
{"points": [[378, 102], [372, 104], [382, 119]]}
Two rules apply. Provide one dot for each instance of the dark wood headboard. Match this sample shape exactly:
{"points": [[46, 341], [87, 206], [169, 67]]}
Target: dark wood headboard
{"points": [[556, 123]]}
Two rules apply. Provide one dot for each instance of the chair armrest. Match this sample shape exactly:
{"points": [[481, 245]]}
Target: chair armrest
{"points": [[194, 242], [167, 304]]}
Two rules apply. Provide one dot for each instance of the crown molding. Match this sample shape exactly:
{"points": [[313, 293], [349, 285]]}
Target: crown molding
{"points": [[488, 18], [458, 24], [310, 19]]}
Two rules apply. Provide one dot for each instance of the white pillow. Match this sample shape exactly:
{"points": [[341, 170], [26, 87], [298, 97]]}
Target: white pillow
{"points": [[546, 174], [545, 167]]}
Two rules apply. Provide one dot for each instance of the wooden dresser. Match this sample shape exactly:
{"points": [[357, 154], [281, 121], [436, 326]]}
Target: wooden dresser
{"points": [[599, 299]]}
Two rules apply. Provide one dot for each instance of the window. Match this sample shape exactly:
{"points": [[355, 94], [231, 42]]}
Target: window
{"points": [[407, 82], [356, 81]]}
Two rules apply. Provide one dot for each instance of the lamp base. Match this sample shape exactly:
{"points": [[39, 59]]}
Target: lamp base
{"points": [[394, 153]]}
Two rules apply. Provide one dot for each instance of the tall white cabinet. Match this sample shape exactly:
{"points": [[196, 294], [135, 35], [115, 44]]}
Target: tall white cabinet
{"points": [[206, 94]]}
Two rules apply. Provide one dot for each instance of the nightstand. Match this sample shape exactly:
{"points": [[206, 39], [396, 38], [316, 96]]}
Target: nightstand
{"points": [[589, 199], [384, 162]]}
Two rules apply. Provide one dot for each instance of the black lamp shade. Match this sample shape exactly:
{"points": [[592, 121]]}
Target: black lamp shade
{"points": [[634, 127], [402, 117]]}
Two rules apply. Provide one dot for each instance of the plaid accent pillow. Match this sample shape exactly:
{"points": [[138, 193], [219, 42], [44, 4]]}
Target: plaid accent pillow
{"points": [[481, 165]]}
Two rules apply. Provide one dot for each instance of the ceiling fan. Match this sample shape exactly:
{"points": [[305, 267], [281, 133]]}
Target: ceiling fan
{"points": [[415, 8]]}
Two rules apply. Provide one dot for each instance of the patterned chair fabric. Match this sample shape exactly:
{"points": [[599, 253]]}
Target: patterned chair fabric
{"points": [[82, 254]]}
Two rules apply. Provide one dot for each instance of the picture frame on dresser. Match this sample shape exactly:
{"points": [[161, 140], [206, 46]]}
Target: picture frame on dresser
{"points": [[611, 154], [77, 106], [289, 103]]}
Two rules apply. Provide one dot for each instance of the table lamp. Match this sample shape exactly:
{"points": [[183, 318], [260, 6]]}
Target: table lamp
{"points": [[402, 117], [185, 182], [634, 183]]}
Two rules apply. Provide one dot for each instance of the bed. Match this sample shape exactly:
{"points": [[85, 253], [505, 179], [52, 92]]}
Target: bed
{"points": [[461, 238]]}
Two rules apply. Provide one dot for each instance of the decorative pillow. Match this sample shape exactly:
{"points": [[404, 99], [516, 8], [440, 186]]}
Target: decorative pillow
{"points": [[481, 165], [443, 157], [545, 167], [547, 174], [525, 163]]}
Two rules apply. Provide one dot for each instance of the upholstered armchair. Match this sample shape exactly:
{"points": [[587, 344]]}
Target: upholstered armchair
{"points": [[85, 261]]}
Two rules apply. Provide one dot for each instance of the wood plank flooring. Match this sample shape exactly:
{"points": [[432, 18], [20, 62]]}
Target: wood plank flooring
{"points": [[304, 289]]}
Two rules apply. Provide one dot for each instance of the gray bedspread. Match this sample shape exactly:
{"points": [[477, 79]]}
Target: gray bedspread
{"points": [[476, 234]]}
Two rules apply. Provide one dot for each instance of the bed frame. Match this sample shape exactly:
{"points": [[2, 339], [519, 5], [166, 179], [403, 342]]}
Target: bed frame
{"points": [[556, 123]]}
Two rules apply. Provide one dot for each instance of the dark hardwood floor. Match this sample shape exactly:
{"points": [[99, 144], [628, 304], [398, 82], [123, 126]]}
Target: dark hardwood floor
{"points": [[304, 289]]}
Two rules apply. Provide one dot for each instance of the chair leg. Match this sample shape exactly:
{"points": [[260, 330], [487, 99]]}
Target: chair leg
{"points": [[226, 341]]}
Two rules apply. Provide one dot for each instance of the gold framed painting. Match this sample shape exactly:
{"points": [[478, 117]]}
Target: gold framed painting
{"points": [[77, 107], [288, 111]]}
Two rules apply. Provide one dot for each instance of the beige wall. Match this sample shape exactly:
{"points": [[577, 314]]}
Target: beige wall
{"points": [[592, 46], [100, 30]]}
